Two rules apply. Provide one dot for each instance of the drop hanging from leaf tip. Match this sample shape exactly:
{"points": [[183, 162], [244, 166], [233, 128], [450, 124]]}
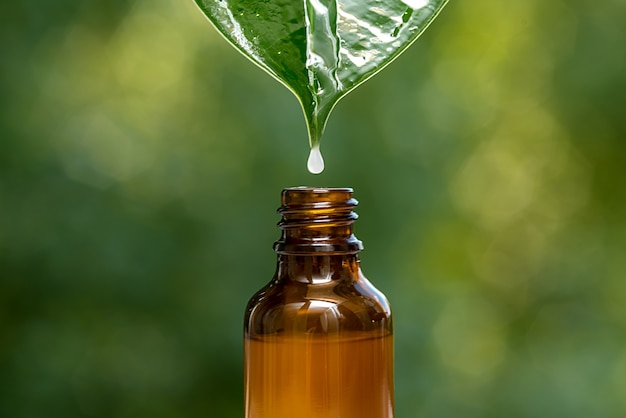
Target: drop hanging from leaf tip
{"points": [[315, 164]]}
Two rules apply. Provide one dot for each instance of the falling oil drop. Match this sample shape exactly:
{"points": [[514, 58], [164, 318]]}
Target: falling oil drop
{"points": [[316, 161]]}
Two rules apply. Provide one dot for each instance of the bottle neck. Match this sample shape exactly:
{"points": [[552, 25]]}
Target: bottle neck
{"points": [[318, 269], [317, 222]]}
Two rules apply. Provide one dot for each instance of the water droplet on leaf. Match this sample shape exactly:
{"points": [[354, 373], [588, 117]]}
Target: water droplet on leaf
{"points": [[316, 161]]}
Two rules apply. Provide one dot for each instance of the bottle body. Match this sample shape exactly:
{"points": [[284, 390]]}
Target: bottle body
{"points": [[319, 337]]}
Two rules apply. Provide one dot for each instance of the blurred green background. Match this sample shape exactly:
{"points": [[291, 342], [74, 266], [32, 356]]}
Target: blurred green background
{"points": [[141, 162]]}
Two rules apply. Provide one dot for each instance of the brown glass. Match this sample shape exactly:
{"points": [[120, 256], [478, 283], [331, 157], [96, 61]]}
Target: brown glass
{"points": [[318, 336]]}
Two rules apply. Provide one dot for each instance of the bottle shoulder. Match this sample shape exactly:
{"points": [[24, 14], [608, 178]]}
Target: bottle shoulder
{"points": [[295, 307]]}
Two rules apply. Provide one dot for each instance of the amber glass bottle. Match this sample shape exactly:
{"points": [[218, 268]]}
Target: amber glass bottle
{"points": [[318, 337]]}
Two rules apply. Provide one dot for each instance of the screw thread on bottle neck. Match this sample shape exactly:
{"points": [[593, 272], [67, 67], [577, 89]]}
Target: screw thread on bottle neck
{"points": [[317, 221]]}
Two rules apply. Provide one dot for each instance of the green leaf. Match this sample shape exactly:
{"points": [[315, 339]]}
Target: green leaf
{"points": [[321, 49]]}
